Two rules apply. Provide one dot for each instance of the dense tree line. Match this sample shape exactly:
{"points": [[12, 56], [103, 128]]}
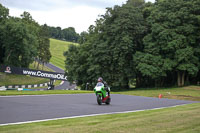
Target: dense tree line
{"points": [[22, 40], [153, 44], [67, 34]]}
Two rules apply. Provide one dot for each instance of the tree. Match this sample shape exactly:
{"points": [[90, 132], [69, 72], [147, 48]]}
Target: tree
{"points": [[74, 70], [44, 54], [22, 40], [4, 14], [108, 49], [41, 35], [119, 36], [67, 34], [157, 44], [59, 34], [34, 29], [20, 44], [173, 42], [19, 39], [82, 38]]}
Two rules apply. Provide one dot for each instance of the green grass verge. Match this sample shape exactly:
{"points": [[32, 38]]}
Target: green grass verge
{"points": [[13, 79], [182, 93], [57, 48], [183, 119], [8, 93]]}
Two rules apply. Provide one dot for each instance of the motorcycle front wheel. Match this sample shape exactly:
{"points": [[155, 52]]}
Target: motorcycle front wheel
{"points": [[99, 99]]}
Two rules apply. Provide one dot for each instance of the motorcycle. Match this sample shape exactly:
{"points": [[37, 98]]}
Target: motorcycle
{"points": [[101, 94]]}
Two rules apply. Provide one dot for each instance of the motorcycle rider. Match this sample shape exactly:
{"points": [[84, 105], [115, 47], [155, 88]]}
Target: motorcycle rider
{"points": [[100, 79]]}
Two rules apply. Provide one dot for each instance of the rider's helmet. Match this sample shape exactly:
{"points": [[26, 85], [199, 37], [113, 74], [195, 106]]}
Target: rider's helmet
{"points": [[100, 79]]}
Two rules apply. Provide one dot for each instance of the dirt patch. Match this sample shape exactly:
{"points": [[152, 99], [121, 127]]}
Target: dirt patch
{"points": [[192, 88], [183, 97]]}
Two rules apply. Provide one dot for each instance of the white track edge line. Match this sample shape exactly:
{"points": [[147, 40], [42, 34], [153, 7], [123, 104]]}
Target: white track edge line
{"points": [[81, 116]]}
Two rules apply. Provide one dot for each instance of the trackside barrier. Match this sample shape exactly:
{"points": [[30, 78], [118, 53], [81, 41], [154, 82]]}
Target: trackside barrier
{"points": [[36, 73]]}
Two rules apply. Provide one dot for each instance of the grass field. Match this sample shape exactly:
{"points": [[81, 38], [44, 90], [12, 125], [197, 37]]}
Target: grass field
{"points": [[57, 49], [13, 79], [181, 93]]}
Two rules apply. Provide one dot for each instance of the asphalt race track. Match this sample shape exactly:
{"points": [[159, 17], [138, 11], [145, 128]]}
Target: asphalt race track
{"points": [[15, 109]]}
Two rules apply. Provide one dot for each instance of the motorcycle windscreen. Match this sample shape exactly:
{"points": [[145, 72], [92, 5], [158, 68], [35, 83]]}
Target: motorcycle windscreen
{"points": [[98, 88]]}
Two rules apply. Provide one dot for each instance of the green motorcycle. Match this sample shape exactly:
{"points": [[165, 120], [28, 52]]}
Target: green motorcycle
{"points": [[101, 93]]}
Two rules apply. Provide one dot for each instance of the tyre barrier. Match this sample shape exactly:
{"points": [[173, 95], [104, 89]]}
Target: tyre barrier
{"points": [[26, 86], [21, 87]]}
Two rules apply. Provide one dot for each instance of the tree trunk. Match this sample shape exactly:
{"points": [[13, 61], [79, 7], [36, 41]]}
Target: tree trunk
{"points": [[138, 81], [35, 64], [126, 86], [187, 80], [38, 65], [162, 82], [179, 78], [156, 83], [183, 79], [9, 55], [159, 82], [42, 65]]}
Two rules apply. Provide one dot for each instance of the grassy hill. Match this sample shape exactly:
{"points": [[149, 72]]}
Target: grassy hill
{"points": [[57, 48]]}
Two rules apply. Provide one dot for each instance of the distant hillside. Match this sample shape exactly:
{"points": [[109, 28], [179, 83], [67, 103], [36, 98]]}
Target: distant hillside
{"points": [[57, 48]]}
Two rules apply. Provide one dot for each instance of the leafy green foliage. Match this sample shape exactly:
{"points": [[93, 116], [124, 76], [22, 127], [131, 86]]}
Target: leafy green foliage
{"points": [[22, 40], [108, 48], [173, 39], [158, 44], [4, 12], [82, 37], [20, 46], [67, 34], [44, 53]]}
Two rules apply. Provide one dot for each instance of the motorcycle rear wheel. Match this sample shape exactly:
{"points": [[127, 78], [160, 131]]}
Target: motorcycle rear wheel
{"points": [[108, 101]]}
